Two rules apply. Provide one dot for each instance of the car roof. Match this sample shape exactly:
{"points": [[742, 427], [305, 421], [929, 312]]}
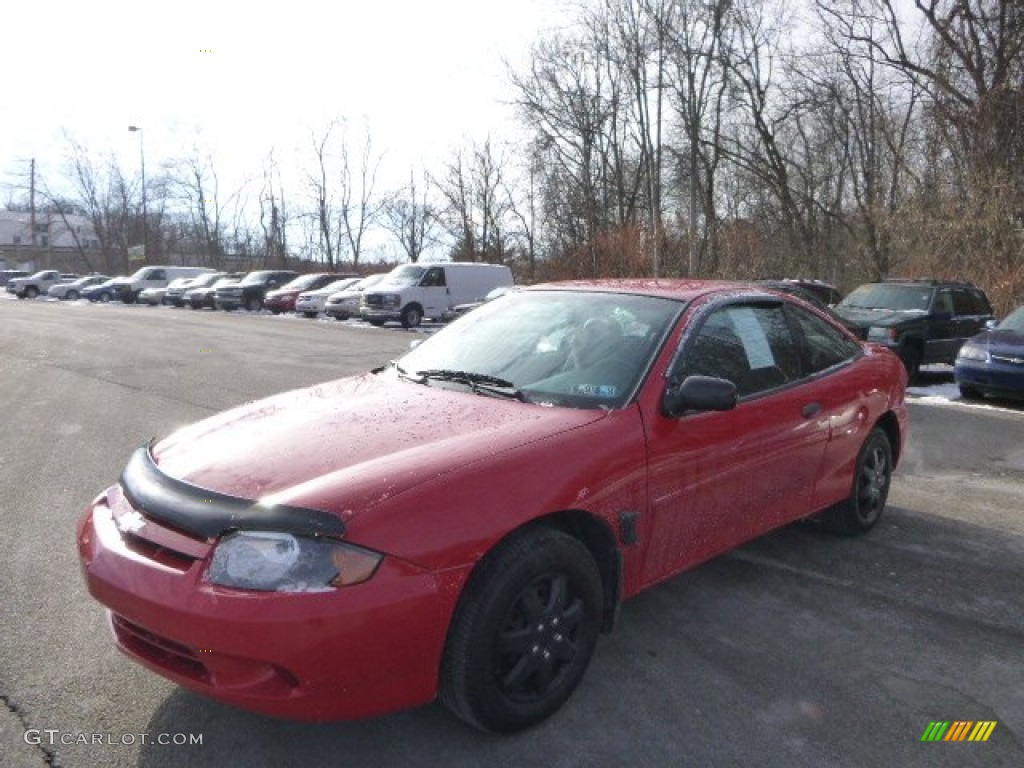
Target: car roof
{"points": [[680, 289]]}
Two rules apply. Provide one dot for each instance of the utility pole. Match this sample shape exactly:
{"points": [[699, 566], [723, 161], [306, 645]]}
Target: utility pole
{"points": [[32, 200], [145, 216]]}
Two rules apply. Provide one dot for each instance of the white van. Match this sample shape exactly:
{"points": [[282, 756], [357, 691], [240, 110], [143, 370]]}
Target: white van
{"points": [[128, 289], [412, 292]]}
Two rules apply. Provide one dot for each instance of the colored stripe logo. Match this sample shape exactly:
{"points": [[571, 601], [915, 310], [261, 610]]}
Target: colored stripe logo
{"points": [[959, 730]]}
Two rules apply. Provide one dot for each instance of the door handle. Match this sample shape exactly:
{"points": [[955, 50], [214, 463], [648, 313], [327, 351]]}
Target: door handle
{"points": [[811, 409]]}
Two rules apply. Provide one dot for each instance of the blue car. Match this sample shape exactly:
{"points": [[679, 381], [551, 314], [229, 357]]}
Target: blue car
{"points": [[992, 363], [103, 292]]}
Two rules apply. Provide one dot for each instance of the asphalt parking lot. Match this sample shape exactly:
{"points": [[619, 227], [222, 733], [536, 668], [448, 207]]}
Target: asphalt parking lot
{"points": [[799, 649]]}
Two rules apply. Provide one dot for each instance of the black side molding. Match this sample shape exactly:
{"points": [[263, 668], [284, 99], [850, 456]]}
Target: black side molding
{"points": [[209, 514]]}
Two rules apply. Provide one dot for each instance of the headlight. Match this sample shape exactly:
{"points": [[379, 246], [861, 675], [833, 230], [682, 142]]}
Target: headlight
{"points": [[269, 561], [880, 333], [971, 352]]}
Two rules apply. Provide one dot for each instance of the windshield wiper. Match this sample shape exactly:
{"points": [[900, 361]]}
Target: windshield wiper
{"points": [[481, 383]]}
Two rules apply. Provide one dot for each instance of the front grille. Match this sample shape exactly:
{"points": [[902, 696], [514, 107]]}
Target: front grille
{"points": [[374, 300], [165, 556]]}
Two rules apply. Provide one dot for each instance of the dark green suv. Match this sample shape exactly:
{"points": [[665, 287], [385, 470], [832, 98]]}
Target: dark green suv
{"points": [[922, 321]]}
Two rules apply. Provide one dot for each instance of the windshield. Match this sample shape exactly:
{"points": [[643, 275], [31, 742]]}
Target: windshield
{"points": [[256, 277], [367, 282], [406, 274], [568, 348], [302, 282], [1013, 321], [900, 298], [340, 285], [205, 281]]}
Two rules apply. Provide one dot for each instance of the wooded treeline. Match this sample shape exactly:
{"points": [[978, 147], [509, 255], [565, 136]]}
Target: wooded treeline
{"points": [[839, 139]]}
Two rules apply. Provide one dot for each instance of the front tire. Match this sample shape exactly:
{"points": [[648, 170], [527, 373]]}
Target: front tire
{"points": [[31, 292], [253, 304], [523, 633], [911, 356], [862, 510], [412, 316], [968, 392]]}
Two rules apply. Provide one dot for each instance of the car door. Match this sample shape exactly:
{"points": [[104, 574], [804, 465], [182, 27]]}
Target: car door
{"points": [[941, 342], [720, 478], [433, 291], [971, 312]]}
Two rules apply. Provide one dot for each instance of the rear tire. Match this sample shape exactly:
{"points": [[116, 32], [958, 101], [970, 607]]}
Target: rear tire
{"points": [[71, 295], [524, 631], [871, 479]]}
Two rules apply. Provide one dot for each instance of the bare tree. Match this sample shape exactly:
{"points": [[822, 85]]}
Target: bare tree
{"points": [[205, 207], [410, 217], [360, 208]]}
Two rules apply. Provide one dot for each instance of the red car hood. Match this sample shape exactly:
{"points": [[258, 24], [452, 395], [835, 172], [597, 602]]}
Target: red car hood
{"points": [[347, 445]]}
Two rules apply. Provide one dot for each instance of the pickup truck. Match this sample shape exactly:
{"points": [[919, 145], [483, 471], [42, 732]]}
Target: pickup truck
{"points": [[39, 283]]}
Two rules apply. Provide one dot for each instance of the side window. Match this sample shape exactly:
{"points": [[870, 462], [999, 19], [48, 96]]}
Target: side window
{"points": [[751, 346], [825, 346], [157, 274], [944, 302], [433, 278]]}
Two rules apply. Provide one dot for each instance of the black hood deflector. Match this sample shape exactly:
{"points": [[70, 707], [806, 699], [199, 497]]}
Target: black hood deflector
{"points": [[210, 514]]}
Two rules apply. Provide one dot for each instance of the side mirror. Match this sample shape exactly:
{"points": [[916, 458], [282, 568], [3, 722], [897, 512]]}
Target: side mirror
{"points": [[698, 393], [991, 324]]}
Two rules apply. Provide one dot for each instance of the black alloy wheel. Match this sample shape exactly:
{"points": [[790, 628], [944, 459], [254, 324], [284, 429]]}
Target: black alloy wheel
{"points": [[524, 632]]}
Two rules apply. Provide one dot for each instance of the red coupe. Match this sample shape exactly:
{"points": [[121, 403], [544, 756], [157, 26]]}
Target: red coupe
{"points": [[463, 523]]}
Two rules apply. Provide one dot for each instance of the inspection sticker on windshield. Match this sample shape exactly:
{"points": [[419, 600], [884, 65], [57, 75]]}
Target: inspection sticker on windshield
{"points": [[597, 390]]}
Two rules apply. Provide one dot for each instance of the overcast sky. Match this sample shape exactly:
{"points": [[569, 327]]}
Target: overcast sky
{"points": [[425, 76]]}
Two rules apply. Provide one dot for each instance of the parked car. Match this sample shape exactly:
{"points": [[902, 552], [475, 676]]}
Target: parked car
{"points": [[413, 292], [312, 303], [992, 363], [199, 293], [128, 289], [177, 289], [463, 523], [104, 292], [39, 283], [6, 275], [154, 297], [73, 290], [343, 304], [283, 299], [205, 296], [798, 288], [823, 291], [460, 309], [923, 321], [250, 291]]}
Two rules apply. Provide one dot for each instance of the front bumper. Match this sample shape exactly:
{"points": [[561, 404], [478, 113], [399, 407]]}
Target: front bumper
{"points": [[381, 315], [994, 378], [337, 654]]}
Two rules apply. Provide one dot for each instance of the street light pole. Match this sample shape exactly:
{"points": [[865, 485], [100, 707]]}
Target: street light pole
{"points": [[145, 216]]}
